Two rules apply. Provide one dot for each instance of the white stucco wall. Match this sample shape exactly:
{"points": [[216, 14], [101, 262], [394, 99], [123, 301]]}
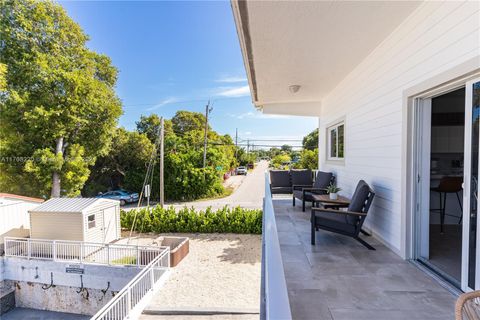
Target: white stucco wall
{"points": [[433, 39]]}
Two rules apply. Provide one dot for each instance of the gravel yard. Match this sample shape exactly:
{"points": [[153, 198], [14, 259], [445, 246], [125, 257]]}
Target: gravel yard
{"points": [[221, 272]]}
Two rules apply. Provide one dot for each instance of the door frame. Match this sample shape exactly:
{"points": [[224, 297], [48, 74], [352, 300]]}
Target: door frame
{"points": [[466, 195], [418, 154]]}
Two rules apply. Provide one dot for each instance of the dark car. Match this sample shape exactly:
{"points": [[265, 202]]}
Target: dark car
{"points": [[121, 195]]}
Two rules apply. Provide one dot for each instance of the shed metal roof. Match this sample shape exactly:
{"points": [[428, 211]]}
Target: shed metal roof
{"points": [[74, 205]]}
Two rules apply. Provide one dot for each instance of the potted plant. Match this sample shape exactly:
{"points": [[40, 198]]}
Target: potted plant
{"points": [[332, 191]]}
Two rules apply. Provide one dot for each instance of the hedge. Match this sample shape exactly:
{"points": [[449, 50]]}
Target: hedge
{"points": [[189, 220]]}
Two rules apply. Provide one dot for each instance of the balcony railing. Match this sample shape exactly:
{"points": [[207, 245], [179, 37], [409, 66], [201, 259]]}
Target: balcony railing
{"points": [[132, 299], [274, 295], [82, 252]]}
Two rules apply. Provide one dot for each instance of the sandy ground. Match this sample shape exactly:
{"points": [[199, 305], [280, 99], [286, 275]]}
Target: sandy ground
{"points": [[221, 271]]}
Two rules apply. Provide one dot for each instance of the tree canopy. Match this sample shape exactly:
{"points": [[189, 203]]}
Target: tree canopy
{"points": [[310, 141], [58, 104]]}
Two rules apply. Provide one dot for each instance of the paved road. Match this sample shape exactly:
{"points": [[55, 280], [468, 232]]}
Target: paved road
{"points": [[248, 195]]}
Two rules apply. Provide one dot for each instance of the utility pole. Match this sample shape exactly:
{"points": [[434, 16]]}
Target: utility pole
{"points": [[207, 111], [236, 142], [248, 145], [162, 138]]}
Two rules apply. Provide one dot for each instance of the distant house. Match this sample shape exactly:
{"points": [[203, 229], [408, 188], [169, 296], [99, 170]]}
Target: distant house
{"points": [[14, 219], [79, 219]]}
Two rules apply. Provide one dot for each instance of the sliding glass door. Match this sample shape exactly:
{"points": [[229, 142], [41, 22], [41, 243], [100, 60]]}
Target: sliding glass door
{"points": [[471, 225], [447, 172]]}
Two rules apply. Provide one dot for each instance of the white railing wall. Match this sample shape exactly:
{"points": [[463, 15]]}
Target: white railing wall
{"points": [[275, 302], [82, 252], [132, 299]]}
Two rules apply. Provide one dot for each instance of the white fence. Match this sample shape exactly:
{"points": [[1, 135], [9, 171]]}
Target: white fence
{"points": [[275, 302], [131, 300], [82, 252]]}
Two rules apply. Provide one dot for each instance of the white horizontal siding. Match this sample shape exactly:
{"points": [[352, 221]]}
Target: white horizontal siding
{"points": [[14, 219], [96, 234], [56, 225], [434, 38]]}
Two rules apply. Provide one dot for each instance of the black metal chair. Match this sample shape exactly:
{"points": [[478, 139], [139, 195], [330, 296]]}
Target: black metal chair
{"points": [[305, 193], [302, 178], [349, 222]]}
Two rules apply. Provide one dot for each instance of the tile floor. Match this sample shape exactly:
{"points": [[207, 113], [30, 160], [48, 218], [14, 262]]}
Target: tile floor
{"points": [[339, 279]]}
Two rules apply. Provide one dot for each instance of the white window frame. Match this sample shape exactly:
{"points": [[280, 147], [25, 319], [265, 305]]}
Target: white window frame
{"points": [[330, 128], [94, 221]]}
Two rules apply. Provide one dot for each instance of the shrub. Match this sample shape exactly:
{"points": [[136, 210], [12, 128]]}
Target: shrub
{"points": [[188, 220]]}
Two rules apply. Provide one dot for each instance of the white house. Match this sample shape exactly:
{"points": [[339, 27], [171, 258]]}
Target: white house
{"points": [[14, 219], [396, 89], [78, 219]]}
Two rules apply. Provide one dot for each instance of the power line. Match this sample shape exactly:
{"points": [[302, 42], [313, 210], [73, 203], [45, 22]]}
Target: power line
{"points": [[293, 140]]}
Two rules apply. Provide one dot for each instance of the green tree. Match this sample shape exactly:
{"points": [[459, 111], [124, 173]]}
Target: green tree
{"points": [[281, 161], [186, 121], [274, 152], [149, 126], [286, 148], [308, 159], [58, 104], [310, 141], [124, 166]]}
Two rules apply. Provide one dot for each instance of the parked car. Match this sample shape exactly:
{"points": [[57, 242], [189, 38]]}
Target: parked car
{"points": [[123, 196], [242, 170]]}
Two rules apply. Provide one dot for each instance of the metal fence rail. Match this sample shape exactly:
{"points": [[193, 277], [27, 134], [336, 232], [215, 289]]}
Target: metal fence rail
{"points": [[131, 300], [275, 303], [82, 252]]}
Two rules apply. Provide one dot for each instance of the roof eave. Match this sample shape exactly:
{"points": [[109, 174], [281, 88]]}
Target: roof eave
{"points": [[240, 14]]}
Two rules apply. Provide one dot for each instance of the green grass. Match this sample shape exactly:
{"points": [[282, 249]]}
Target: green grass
{"points": [[125, 260]]}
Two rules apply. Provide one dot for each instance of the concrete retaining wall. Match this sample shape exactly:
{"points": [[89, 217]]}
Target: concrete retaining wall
{"points": [[28, 276], [59, 298], [93, 277]]}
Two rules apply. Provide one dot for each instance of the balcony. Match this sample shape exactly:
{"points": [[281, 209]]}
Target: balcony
{"points": [[340, 279]]}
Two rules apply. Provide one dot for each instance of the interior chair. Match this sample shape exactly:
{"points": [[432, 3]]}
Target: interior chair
{"points": [[448, 185], [349, 222], [305, 193]]}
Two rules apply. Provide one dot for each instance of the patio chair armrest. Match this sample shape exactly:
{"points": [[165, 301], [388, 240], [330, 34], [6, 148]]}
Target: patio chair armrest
{"points": [[351, 213], [300, 186], [462, 299], [315, 189]]}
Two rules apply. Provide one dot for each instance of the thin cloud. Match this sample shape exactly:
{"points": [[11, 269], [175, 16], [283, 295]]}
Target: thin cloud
{"points": [[234, 92], [163, 103], [231, 79]]}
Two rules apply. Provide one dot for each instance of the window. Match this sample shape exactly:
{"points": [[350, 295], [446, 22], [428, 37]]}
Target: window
{"points": [[335, 143], [91, 221]]}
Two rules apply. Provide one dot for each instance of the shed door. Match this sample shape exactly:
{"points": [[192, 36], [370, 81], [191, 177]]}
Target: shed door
{"points": [[110, 224]]}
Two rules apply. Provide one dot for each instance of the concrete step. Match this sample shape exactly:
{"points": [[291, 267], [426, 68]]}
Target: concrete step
{"points": [[197, 313]]}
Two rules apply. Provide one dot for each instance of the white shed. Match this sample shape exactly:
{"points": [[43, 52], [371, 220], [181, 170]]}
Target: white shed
{"points": [[79, 219]]}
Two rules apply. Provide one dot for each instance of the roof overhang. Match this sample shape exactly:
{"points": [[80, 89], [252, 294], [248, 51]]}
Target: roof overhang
{"points": [[313, 44]]}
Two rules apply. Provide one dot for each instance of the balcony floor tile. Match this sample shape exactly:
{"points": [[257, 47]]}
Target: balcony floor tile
{"points": [[340, 279]]}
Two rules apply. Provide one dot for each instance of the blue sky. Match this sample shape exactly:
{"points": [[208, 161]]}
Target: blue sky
{"points": [[176, 56]]}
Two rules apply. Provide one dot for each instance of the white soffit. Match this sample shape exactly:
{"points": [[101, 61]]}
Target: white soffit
{"points": [[314, 44], [307, 109]]}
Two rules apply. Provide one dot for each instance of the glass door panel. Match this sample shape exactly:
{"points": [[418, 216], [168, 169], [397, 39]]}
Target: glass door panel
{"points": [[472, 152]]}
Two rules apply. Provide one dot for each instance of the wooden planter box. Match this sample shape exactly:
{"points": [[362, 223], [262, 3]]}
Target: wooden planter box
{"points": [[179, 248]]}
